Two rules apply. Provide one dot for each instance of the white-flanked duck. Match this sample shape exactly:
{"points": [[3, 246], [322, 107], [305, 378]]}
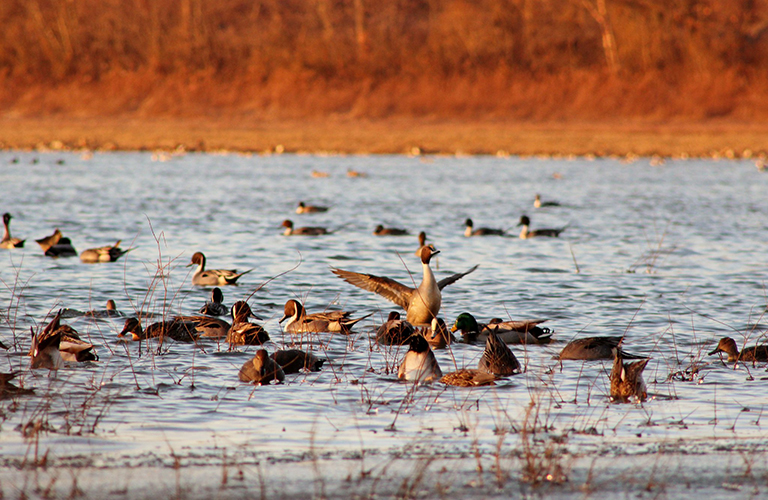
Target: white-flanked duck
{"points": [[509, 332], [419, 364], [215, 306], [8, 241], [103, 254], [302, 231], [526, 233], [380, 230], [213, 277], [310, 209], [57, 245], [261, 370], [537, 203], [331, 321], [481, 231], [627, 379]]}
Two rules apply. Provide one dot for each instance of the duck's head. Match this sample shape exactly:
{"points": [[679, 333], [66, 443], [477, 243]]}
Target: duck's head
{"points": [[468, 223], [726, 345], [198, 259], [524, 221], [131, 329], [7, 217], [292, 308], [217, 296], [427, 252], [466, 323], [422, 238], [260, 361], [378, 229], [439, 328], [287, 223], [241, 311], [301, 204], [393, 316], [111, 306], [418, 343]]}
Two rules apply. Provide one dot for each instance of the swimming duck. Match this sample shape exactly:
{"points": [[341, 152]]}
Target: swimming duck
{"points": [[753, 353], [627, 379], [355, 173], [9, 390], [394, 331], [526, 233], [296, 360], [389, 231], [179, 330], [481, 231], [215, 306], [509, 332], [309, 209], [422, 243], [497, 358], [213, 277], [320, 174], [302, 231], [593, 348], [110, 311], [242, 331], [71, 346], [537, 203], [437, 334], [467, 377], [331, 321], [57, 245], [45, 347], [103, 254], [422, 303], [261, 370], [8, 241], [419, 364], [206, 326]]}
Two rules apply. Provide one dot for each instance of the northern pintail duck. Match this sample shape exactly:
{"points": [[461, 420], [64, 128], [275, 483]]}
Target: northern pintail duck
{"points": [[627, 379], [213, 277], [302, 231], [394, 331], [215, 306], [296, 360], [71, 346], [207, 326], [729, 346], [330, 321], [419, 364], [537, 203], [468, 377], [8, 241], [242, 331], [45, 347], [422, 243], [57, 245], [380, 230], [176, 329], [9, 390], [261, 370], [437, 334], [310, 209], [481, 231], [526, 233], [510, 332], [103, 254], [594, 348], [497, 358], [355, 173], [422, 303], [110, 311]]}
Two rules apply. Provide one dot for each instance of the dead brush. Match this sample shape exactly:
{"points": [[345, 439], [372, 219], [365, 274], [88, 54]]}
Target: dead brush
{"points": [[543, 453]]}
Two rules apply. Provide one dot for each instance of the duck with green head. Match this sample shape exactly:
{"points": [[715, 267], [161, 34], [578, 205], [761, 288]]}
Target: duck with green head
{"points": [[509, 332]]}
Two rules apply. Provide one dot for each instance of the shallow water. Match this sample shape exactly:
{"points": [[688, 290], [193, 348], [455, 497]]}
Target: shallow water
{"points": [[673, 255]]}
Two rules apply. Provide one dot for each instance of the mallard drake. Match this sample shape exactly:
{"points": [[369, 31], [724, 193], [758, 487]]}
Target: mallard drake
{"points": [[526, 233], [422, 303], [437, 334], [208, 327], [103, 254], [394, 331], [467, 377], [422, 243], [481, 231], [309, 209], [510, 332], [537, 203], [9, 390], [56, 245], [330, 321], [242, 331], [302, 231], [215, 306], [627, 379], [296, 360], [8, 241], [261, 370], [380, 230], [753, 353], [179, 330], [593, 348], [497, 358], [213, 277], [419, 364]]}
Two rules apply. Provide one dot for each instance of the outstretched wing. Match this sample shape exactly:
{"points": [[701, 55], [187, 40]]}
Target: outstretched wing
{"points": [[451, 279], [387, 288]]}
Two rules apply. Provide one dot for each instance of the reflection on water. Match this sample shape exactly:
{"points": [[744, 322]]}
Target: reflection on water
{"points": [[673, 256]]}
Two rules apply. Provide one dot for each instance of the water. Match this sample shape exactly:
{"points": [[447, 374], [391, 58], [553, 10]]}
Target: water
{"points": [[673, 255]]}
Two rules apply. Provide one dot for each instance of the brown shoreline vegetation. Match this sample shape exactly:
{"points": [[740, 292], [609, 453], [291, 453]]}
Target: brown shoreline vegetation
{"points": [[600, 77]]}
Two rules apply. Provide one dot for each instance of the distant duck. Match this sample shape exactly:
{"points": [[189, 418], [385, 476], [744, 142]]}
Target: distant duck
{"points": [[242, 331], [437, 334], [481, 231], [261, 370], [355, 173], [296, 360], [319, 174], [526, 233], [213, 277], [380, 230], [176, 329], [310, 209], [103, 254], [753, 353], [331, 321], [422, 303], [8, 241], [57, 245], [497, 358], [509, 332], [537, 203], [302, 231], [419, 364], [394, 331], [422, 243], [468, 377], [110, 311], [594, 348], [207, 326], [627, 379], [215, 306]]}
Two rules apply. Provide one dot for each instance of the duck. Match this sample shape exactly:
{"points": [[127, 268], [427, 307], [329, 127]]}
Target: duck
{"points": [[110, 311], [510, 332], [213, 277], [419, 364], [71, 346], [627, 379], [421, 303], [594, 348], [103, 254], [481, 231], [526, 233], [261, 370], [355, 173], [207, 326], [331, 321], [437, 334], [394, 331], [310, 209], [320, 174], [380, 230], [753, 353], [537, 203], [215, 306], [422, 243], [45, 347], [176, 329], [9, 390], [296, 360], [302, 231], [8, 241], [243, 332], [57, 245], [468, 377], [497, 358]]}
